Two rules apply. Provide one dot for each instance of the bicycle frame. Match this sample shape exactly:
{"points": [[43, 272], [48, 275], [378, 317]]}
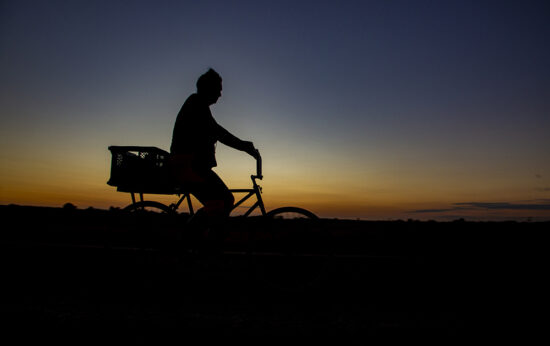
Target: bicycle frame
{"points": [[255, 190]]}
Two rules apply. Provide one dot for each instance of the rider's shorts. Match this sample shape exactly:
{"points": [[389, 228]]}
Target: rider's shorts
{"points": [[204, 184]]}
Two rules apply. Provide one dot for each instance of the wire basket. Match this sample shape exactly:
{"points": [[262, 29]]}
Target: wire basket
{"points": [[140, 169]]}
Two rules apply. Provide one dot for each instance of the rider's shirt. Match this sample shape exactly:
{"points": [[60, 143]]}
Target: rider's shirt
{"points": [[196, 133]]}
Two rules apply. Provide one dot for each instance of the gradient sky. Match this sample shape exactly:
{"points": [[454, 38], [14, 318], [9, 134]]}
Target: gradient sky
{"points": [[361, 109]]}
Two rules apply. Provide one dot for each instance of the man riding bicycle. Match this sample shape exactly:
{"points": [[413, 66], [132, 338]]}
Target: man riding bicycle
{"points": [[193, 149]]}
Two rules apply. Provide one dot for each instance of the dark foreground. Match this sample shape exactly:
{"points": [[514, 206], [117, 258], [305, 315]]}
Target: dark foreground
{"points": [[93, 275]]}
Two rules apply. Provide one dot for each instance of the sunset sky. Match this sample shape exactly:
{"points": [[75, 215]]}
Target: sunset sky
{"points": [[361, 109]]}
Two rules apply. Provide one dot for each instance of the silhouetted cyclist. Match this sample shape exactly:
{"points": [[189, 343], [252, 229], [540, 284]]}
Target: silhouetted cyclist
{"points": [[194, 145]]}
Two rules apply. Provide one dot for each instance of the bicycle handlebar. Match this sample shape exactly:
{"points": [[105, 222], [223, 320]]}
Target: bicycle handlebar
{"points": [[259, 166]]}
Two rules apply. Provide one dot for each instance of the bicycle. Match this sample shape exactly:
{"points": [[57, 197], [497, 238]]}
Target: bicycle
{"points": [[283, 246], [143, 170]]}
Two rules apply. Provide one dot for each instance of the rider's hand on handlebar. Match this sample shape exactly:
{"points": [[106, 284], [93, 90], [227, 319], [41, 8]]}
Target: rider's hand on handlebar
{"points": [[256, 154], [252, 151]]}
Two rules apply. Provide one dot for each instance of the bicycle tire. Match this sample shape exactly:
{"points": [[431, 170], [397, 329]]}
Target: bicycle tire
{"points": [[147, 206], [293, 250], [291, 211]]}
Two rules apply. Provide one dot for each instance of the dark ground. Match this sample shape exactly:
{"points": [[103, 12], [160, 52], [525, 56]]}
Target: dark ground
{"points": [[95, 275]]}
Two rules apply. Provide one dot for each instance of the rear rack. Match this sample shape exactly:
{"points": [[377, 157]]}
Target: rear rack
{"points": [[141, 169]]}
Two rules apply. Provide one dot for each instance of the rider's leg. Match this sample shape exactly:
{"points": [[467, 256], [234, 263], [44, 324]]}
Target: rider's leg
{"points": [[217, 203], [216, 198]]}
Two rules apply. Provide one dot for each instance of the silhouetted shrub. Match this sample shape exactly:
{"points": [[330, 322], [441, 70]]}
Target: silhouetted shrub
{"points": [[69, 206]]}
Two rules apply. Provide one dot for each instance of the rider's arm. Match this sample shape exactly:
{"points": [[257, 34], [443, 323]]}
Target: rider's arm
{"points": [[228, 139]]}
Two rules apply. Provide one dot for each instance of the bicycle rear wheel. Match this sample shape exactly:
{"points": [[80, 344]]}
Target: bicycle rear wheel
{"points": [[146, 221], [149, 206]]}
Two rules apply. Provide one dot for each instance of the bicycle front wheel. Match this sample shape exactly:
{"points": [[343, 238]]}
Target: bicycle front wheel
{"points": [[293, 249], [291, 213], [295, 231]]}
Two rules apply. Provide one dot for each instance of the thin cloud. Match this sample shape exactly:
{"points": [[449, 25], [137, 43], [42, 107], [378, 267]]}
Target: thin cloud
{"points": [[442, 210], [506, 206], [432, 210], [545, 205]]}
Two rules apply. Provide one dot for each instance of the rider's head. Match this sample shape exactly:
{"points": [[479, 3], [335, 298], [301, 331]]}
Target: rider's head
{"points": [[209, 85]]}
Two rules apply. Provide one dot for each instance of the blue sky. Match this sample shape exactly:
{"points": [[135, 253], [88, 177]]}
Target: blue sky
{"points": [[361, 109]]}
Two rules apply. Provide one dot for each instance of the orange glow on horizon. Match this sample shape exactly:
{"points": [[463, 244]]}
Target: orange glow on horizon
{"points": [[355, 192]]}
